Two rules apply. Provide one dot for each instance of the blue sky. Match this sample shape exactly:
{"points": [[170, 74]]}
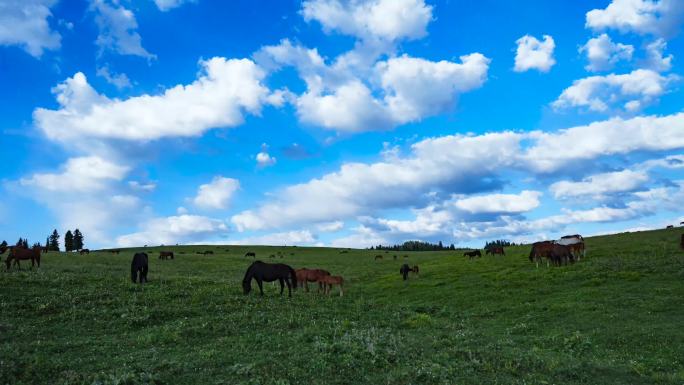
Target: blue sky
{"points": [[343, 123]]}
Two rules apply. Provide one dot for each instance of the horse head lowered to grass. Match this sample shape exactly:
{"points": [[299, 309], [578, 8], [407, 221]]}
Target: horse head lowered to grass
{"points": [[270, 272]]}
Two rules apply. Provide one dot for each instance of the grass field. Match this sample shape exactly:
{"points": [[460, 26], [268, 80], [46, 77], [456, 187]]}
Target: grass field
{"points": [[616, 317]]}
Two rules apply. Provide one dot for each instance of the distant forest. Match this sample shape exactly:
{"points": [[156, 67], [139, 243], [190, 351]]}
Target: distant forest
{"points": [[427, 246]]}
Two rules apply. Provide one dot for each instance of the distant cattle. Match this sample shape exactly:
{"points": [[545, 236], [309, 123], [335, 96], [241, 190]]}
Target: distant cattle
{"points": [[166, 255], [472, 254], [139, 268], [84, 251], [250, 254], [494, 250]]}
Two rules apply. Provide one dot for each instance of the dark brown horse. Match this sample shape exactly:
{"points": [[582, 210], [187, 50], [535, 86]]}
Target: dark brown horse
{"points": [[329, 280], [553, 252], [541, 250], [415, 270], [250, 254], [139, 267], [378, 257], [311, 275], [166, 255], [494, 250], [18, 253], [472, 254], [404, 271], [270, 272], [84, 251]]}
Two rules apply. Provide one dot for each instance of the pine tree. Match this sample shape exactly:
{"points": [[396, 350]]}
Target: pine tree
{"points": [[78, 240], [54, 241], [47, 243], [68, 241]]}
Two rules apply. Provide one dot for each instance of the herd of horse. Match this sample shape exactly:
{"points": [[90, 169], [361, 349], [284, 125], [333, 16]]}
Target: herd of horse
{"points": [[567, 249]]}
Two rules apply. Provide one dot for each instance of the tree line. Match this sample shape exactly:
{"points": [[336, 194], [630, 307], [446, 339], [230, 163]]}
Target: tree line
{"points": [[415, 246], [72, 241]]}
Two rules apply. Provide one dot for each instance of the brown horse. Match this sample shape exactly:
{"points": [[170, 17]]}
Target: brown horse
{"points": [[415, 270], [166, 254], [17, 253], [378, 257], [329, 280], [541, 250], [494, 250], [84, 251], [311, 275]]}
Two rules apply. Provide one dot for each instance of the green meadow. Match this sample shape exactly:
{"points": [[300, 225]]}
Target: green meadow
{"points": [[616, 317]]}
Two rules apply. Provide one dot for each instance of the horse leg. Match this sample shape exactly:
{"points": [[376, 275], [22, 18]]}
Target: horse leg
{"points": [[341, 290], [289, 288], [282, 285], [261, 289]]}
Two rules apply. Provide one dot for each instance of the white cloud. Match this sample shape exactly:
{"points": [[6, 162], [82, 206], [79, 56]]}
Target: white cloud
{"points": [[217, 194], [330, 227], [120, 81], [174, 229], [634, 90], [301, 237], [362, 237], [602, 53], [500, 203], [534, 54], [654, 56], [654, 17], [118, 29], [263, 158], [79, 174], [388, 20], [25, 23], [224, 90], [135, 185], [597, 186], [414, 88], [456, 164], [670, 162], [166, 5]]}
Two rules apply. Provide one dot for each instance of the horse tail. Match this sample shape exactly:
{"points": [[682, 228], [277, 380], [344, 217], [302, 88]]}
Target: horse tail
{"points": [[247, 280], [293, 277], [532, 254]]}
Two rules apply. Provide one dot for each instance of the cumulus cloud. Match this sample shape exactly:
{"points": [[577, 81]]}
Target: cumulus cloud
{"points": [[216, 194], [138, 186], [118, 29], [25, 23], [599, 185], [300, 237], [534, 54], [166, 5], [388, 20], [263, 158], [602, 53], [634, 91], [458, 164], [119, 81], [330, 227], [655, 58], [225, 89], [79, 174], [174, 229], [500, 203], [654, 17]]}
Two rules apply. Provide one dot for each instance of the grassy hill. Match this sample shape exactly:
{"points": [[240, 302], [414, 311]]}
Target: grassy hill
{"points": [[616, 317]]}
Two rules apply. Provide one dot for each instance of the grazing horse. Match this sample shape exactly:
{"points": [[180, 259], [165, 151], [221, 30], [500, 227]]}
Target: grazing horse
{"points": [[17, 253], [84, 251], [415, 270], [494, 250], [576, 244], [165, 254], [329, 280], [311, 275], [250, 254], [404, 271], [270, 272], [541, 250], [378, 257], [115, 251], [139, 267], [472, 254]]}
